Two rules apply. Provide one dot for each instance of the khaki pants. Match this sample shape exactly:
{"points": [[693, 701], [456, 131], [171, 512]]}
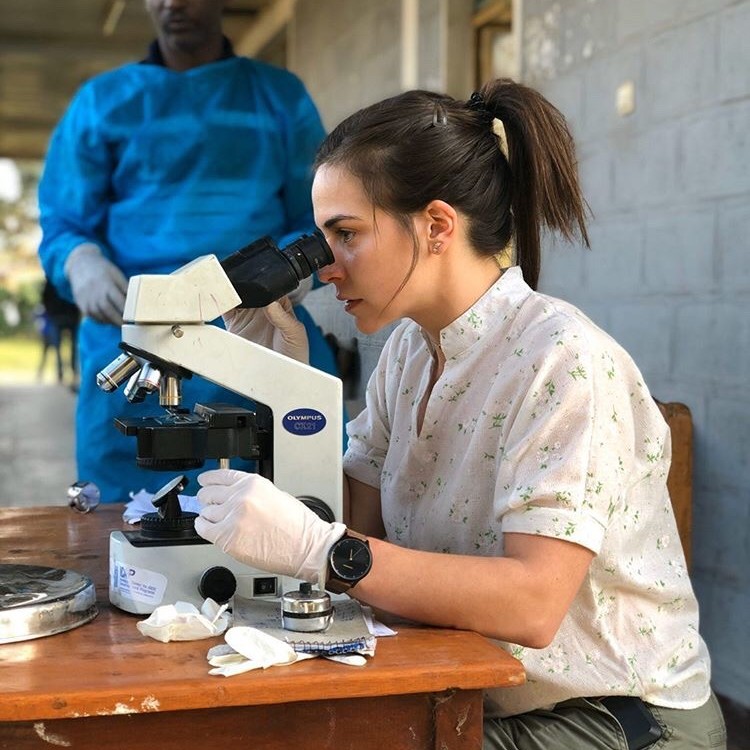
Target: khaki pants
{"points": [[585, 724]]}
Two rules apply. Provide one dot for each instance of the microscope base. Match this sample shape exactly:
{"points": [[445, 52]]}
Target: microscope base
{"points": [[144, 578]]}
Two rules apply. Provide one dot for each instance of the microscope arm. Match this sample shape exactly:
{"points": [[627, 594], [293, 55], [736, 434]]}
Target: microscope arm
{"points": [[307, 459], [166, 317]]}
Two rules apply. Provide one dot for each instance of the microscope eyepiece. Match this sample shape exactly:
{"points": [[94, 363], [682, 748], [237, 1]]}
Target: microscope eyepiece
{"points": [[307, 254], [262, 272]]}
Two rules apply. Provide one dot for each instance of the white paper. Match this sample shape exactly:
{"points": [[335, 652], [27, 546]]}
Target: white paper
{"points": [[375, 626]]}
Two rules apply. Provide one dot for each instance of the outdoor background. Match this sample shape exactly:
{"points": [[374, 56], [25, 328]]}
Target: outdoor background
{"points": [[657, 93]]}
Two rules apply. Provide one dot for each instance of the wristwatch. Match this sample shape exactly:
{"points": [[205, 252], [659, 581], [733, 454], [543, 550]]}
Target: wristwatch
{"points": [[349, 561]]}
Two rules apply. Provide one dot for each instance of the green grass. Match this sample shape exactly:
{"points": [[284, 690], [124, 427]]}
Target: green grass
{"points": [[20, 356]]}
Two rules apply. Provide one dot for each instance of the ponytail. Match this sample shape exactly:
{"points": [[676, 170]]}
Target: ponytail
{"points": [[541, 152], [421, 146]]}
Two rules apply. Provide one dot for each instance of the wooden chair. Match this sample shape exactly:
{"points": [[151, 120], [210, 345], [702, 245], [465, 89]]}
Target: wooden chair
{"points": [[680, 479]]}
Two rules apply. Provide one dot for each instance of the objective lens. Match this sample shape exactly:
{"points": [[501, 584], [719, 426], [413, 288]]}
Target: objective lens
{"points": [[170, 391], [117, 372], [149, 378], [133, 393]]}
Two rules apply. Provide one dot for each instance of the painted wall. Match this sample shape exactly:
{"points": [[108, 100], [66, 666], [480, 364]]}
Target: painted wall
{"points": [[669, 187], [669, 271], [351, 53]]}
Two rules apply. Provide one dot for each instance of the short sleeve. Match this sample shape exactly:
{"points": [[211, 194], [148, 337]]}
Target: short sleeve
{"points": [[568, 456]]}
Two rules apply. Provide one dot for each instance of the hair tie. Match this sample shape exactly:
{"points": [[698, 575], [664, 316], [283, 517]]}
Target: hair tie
{"points": [[476, 103]]}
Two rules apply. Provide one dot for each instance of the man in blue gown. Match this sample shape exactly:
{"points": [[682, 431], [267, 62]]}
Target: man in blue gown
{"points": [[191, 151]]}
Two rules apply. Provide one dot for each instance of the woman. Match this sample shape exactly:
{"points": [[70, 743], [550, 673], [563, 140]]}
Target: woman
{"points": [[509, 469]]}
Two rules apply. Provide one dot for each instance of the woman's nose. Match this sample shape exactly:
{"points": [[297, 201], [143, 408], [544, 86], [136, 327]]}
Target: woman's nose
{"points": [[325, 274], [330, 273]]}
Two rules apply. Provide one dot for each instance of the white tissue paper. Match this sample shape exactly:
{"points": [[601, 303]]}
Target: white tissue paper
{"points": [[183, 621], [142, 503]]}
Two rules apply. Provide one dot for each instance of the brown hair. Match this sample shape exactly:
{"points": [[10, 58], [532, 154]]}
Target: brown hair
{"points": [[421, 146]]}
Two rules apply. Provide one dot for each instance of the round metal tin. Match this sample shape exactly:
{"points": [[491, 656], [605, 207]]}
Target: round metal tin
{"points": [[36, 601], [307, 610]]}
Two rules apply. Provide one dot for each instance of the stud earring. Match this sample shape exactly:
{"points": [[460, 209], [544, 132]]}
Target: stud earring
{"points": [[436, 248]]}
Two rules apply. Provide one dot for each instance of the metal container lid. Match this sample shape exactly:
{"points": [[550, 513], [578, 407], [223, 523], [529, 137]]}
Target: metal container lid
{"points": [[37, 601]]}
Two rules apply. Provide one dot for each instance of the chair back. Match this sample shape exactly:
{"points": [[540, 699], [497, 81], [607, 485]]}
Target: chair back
{"points": [[680, 478]]}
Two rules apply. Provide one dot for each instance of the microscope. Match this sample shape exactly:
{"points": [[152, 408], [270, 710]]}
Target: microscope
{"points": [[293, 433]]}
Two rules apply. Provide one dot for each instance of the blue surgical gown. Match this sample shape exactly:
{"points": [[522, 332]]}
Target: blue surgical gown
{"points": [[158, 167]]}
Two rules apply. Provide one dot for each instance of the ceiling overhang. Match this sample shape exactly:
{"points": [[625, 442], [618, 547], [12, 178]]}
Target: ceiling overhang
{"points": [[49, 48]]}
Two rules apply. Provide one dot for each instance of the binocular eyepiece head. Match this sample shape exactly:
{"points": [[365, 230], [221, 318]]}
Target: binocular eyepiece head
{"points": [[262, 272]]}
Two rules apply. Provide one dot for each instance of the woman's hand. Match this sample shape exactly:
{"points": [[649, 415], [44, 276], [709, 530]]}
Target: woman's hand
{"points": [[275, 327], [250, 519]]}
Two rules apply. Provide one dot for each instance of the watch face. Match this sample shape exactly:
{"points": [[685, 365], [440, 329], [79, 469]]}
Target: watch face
{"points": [[350, 559]]}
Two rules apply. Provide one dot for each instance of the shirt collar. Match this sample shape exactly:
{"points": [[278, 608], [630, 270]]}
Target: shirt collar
{"points": [[496, 305], [154, 56]]}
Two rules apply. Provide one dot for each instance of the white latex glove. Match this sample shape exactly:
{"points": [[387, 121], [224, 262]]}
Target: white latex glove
{"points": [[99, 286], [275, 327], [249, 648], [250, 519]]}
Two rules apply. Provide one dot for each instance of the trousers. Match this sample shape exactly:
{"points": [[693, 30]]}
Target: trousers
{"points": [[585, 724]]}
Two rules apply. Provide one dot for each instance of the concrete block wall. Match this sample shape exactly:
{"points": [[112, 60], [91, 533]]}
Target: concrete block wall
{"points": [[668, 273]]}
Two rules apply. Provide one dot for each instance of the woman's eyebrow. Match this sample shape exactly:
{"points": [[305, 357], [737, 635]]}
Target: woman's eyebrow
{"points": [[336, 219]]}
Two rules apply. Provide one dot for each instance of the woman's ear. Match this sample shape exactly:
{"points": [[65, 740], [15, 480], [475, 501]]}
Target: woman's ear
{"points": [[441, 219]]}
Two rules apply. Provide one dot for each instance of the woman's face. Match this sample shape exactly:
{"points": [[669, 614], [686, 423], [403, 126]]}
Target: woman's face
{"points": [[373, 252]]}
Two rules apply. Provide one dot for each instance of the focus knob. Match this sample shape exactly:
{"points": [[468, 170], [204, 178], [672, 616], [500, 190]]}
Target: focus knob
{"points": [[217, 583]]}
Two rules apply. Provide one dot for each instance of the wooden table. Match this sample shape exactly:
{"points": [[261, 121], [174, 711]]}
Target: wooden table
{"points": [[104, 685]]}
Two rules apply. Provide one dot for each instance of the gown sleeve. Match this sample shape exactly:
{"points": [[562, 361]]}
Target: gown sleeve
{"points": [[73, 189]]}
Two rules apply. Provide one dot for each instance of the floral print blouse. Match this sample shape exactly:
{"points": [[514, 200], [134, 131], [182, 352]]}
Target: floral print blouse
{"points": [[541, 424]]}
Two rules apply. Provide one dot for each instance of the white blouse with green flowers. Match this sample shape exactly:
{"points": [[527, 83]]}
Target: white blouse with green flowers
{"points": [[541, 424]]}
